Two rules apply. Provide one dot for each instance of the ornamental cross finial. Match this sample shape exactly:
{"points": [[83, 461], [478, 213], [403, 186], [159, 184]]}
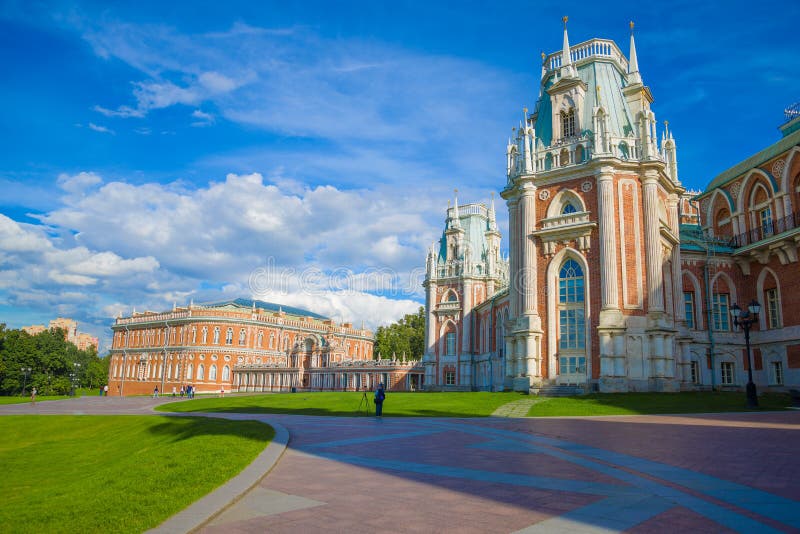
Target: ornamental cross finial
{"points": [[565, 19], [631, 25]]}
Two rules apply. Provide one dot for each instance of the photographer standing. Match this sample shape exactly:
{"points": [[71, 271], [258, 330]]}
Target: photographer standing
{"points": [[380, 394]]}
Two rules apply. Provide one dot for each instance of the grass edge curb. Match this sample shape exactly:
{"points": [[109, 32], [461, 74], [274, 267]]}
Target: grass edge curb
{"points": [[208, 507]]}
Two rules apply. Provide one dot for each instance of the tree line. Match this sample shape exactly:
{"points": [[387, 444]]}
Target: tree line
{"points": [[406, 336], [55, 364]]}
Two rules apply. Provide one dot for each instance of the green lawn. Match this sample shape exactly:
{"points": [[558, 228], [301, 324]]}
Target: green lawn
{"points": [[478, 404], [16, 399], [458, 404], [652, 403], [115, 473]]}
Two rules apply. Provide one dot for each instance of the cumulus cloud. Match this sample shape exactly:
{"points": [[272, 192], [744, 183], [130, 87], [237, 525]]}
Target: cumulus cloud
{"points": [[203, 118]]}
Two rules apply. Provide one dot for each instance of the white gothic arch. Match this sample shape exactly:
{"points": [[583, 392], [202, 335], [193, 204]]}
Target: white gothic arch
{"points": [[551, 286]]}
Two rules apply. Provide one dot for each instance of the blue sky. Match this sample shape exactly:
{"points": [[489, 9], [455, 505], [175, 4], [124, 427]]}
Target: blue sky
{"points": [[158, 154]]}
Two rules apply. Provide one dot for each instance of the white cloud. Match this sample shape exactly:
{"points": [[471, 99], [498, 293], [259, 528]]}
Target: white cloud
{"points": [[101, 129], [72, 279], [122, 111], [203, 118], [79, 182]]}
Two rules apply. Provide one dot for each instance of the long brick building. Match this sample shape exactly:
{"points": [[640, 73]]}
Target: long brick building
{"points": [[618, 279], [247, 345]]}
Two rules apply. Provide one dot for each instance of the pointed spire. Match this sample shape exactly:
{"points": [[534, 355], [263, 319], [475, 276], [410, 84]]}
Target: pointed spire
{"points": [[633, 63], [492, 220], [174, 305], [456, 217], [565, 58]]}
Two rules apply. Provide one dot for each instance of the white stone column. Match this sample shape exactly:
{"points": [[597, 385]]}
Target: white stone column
{"points": [[608, 242], [655, 277], [527, 216], [510, 357], [521, 356], [531, 361], [620, 354], [430, 319], [466, 317], [514, 252], [677, 285]]}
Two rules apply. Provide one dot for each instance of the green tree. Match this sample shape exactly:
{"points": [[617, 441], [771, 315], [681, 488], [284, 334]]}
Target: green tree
{"points": [[52, 360], [406, 336]]}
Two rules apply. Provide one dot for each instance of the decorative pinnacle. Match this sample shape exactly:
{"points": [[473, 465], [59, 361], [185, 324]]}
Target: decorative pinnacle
{"points": [[631, 26], [565, 19], [525, 110], [544, 56]]}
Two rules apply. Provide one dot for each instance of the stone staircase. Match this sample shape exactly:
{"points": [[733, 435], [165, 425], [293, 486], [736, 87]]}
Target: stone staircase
{"points": [[559, 391]]}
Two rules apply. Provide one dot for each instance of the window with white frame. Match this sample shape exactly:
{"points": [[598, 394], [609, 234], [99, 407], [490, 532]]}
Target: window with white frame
{"points": [[568, 123], [260, 339], [194, 335], [776, 373], [688, 308], [242, 336], [201, 372], [450, 378], [226, 373], [694, 371], [726, 369], [229, 336], [212, 373], [720, 311], [773, 308], [765, 219], [450, 341], [216, 335], [205, 335]]}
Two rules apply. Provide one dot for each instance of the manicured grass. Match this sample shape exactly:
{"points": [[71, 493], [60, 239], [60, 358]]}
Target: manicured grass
{"points": [[16, 399], [115, 473], [652, 403], [457, 404]]}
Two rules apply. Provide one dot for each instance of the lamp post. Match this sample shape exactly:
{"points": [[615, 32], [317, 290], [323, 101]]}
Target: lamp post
{"points": [[26, 371], [745, 319]]}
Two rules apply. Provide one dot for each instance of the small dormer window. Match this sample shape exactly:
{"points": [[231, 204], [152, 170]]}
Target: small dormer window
{"points": [[568, 123], [568, 208]]}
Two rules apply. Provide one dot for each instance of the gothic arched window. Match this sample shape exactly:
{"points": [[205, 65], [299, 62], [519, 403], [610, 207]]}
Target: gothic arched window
{"points": [[242, 336], [568, 208], [571, 320], [229, 336], [568, 123], [216, 335]]}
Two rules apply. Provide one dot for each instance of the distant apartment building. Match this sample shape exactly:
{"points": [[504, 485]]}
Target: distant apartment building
{"points": [[81, 340]]}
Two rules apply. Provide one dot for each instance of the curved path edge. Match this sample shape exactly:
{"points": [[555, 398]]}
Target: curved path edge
{"points": [[205, 509]]}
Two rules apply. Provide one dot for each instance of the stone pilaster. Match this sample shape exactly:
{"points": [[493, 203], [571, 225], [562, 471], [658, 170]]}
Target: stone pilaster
{"points": [[608, 243], [655, 277]]}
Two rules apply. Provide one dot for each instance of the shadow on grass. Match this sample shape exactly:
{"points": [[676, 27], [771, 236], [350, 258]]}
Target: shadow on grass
{"points": [[183, 428]]}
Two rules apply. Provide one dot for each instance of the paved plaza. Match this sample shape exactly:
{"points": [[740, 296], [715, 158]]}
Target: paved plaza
{"points": [[698, 473]]}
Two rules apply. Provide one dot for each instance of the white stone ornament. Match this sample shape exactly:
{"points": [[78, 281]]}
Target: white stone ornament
{"points": [[586, 186], [777, 168], [544, 194]]}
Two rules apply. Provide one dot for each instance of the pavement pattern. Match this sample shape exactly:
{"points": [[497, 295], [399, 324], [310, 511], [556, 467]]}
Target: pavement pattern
{"points": [[692, 473]]}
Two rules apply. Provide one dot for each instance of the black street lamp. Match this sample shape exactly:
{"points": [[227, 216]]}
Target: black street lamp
{"points": [[745, 319], [26, 371]]}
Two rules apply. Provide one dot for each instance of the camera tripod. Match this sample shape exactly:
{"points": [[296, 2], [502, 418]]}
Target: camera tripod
{"points": [[364, 402]]}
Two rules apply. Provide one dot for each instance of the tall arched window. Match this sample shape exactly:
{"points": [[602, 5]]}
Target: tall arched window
{"points": [[260, 339], [205, 335], [242, 336], [571, 322], [201, 372], [568, 208], [212, 373], [568, 123], [226, 373], [194, 335], [189, 371], [216, 335], [229, 336], [272, 340]]}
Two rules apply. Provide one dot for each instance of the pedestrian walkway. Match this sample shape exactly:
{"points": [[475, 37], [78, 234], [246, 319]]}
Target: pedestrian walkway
{"points": [[517, 408], [693, 473]]}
